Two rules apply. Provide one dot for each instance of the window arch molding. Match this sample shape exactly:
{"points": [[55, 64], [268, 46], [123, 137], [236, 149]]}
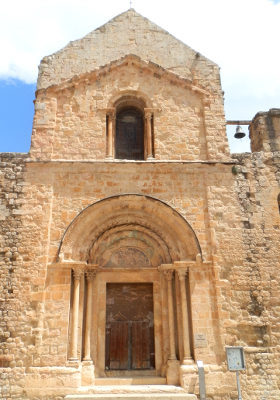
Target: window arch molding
{"points": [[133, 95], [127, 139]]}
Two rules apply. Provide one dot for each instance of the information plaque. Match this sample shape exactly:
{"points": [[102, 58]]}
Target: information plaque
{"points": [[235, 358]]}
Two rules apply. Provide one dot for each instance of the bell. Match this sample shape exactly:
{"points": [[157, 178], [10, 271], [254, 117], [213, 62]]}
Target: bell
{"points": [[239, 134]]}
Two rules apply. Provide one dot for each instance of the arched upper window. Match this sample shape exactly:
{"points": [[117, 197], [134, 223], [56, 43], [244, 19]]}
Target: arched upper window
{"points": [[129, 139], [130, 130]]}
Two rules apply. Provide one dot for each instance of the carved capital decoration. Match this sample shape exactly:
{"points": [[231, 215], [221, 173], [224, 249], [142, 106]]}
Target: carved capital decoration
{"points": [[182, 273], [168, 274], [78, 273], [90, 274], [111, 112], [148, 115]]}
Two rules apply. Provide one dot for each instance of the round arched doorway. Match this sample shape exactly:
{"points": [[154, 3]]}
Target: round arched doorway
{"points": [[130, 257]]}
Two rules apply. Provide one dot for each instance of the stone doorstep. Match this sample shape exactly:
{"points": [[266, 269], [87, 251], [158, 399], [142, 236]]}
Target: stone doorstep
{"points": [[133, 396], [131, 389], [130, 380], [134, 392]]}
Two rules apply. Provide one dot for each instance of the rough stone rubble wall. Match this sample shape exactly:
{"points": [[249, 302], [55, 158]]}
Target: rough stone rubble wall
{"points": [[12, 349], [265, 131], [253, 297]]}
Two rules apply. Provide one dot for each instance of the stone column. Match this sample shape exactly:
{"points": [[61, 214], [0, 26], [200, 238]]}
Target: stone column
{"points": [[172, 370], [111, 116], [185, 317], [172, 351], [77, 274], [148, 118], [90, 275]]}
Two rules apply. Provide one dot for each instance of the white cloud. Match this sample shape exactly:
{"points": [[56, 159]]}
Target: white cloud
{"points": [[242, 36]]}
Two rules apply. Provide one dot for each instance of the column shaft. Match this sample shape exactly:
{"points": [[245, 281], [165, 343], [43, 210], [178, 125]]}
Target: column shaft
{"points": [[90, 277], [172, 349], [148, 117], [185, 317], [110, 132], [75, 315]]}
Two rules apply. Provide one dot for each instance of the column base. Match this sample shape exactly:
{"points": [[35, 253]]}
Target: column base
{"points": [[172, 372], [188, 361], [189, 377], [73, 362], [88, 376]]}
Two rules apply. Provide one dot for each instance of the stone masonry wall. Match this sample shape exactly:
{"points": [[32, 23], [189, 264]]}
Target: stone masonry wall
{"points": [[70, 119], [64, 189], [234, 212], [253, 296], [12, 349], [128, 33], [265, 131]]}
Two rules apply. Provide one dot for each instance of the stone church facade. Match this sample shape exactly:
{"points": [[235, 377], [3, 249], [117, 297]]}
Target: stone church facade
{"points": [[132, 243]]}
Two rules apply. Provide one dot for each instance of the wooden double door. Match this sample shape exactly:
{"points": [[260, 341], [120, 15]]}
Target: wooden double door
{"points": [[129, 326]]}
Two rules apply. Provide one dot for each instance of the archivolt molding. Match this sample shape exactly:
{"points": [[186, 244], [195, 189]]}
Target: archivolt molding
{"points": [[160, 232], [132, 96], [129, 236]]}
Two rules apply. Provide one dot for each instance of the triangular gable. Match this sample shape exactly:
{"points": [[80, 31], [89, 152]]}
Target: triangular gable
{"points": [[135, 61], [128, 33]]}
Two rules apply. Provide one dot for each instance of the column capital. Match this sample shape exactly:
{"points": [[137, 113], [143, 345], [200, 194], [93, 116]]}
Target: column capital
{"points": [[148, 113], [90, 274], [111, 112], [182, 273], [77, 273], [168, 273]]}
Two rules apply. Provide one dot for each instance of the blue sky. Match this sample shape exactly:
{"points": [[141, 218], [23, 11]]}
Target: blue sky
{"points": [[16, 115], [241, 36]]}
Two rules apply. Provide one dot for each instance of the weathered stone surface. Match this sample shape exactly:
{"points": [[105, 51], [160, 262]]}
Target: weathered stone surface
{"points": [[200, 226], [188, 120], [128, 33], [265, 131]]}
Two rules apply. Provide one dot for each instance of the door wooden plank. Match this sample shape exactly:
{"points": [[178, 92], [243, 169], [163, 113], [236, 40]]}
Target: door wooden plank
{"points": [[114, 358], [119, 345], [136, 356], [145, 345], [123, 345], [140, 345]]}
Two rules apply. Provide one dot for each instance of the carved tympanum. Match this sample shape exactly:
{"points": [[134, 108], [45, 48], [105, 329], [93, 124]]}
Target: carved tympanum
{"points": [[128, 257]]}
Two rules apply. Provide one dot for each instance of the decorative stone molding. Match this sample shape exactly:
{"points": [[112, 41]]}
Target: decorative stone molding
{"points": [[77, 273]]}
